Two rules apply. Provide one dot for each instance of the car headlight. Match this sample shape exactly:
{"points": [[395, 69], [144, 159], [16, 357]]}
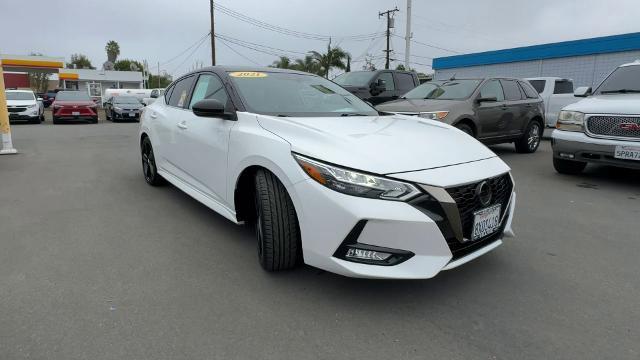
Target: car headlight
{"points": [[31, 106], [570, 121], [355, 183], [117, 108], [434, 115]]}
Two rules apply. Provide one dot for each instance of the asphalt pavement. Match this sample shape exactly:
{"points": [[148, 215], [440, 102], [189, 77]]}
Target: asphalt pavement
{"points": [[96, 264]]}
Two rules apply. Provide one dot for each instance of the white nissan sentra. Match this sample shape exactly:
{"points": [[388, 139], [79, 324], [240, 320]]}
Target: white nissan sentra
{"points": [[323, 177]]}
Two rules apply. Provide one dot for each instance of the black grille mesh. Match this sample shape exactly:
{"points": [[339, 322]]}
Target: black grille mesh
{"points": [[610, 126], [465, 198]]}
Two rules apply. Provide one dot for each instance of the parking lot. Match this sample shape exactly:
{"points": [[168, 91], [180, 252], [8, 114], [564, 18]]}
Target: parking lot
{"points": [[97, 264]]}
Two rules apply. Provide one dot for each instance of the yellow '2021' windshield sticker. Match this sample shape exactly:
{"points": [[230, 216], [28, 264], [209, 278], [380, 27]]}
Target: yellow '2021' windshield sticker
{"points": [[248, 74]]}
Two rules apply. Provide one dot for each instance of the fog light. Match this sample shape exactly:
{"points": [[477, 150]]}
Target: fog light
{"points": [[567, 156], [361, 254]]}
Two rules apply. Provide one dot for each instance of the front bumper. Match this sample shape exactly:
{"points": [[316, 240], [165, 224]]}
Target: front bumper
{"points": [[327, 218], [27, 115], [127, 115], [588, 149]]}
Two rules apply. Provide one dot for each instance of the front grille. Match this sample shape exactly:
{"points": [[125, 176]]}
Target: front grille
{"points": [[468, 203], [614, 126], [16, 109]]}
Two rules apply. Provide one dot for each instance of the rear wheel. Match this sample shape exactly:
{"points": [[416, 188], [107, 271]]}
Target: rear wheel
{"points": [[569, 167], [530, 141], [149, 168], [277, 229], [55, 120], [466, 129]]}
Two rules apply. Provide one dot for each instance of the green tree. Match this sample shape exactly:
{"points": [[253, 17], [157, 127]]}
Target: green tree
{"points": [[282, 63], [128, 65], [79, 61], [348, 69], [153, 81], [308, 64], [400, 67], [333, 58], [113, 51]]}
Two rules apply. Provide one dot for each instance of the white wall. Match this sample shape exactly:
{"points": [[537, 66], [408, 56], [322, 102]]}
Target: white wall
{"points": [[584, 70]]}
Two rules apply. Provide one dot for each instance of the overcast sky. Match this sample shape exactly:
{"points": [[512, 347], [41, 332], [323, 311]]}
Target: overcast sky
{"points": [[160, 30]]}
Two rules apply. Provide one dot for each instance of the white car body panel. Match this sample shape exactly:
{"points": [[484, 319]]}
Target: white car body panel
{"points": [[205, 157], [621, 104], [553, 103], [38, 110]]}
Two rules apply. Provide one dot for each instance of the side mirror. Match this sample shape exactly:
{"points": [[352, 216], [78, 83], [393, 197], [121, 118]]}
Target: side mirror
{"points": [[582, 91], [40, 99], [487, 99], [378, 86], [211, 108], [154, 96]]}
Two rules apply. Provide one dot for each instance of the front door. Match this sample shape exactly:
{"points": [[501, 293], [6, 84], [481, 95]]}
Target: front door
{"points": [[203, 142], [389, 92], [492, 115]]}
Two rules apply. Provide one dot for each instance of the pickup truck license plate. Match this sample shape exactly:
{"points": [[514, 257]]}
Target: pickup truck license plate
{"points": [[75, 113], [132, 114], [486, 221], [627, 152]]}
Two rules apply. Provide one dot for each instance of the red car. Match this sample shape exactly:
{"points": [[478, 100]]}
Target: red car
{"points": [[74, 105]]}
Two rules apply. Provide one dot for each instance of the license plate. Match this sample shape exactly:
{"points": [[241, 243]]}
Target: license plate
{"points": [[132, 114], [486, 221], [75, 113], [627, 152]]}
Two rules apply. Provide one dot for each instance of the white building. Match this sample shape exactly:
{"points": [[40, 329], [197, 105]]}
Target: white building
{"points": [[586, 61], [97, 81]]}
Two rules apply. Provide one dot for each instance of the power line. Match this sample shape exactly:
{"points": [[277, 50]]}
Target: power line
{"points": [[227, 37], [202, 41], [430, 45], [285, 31], [239, 54], [185, 50]]}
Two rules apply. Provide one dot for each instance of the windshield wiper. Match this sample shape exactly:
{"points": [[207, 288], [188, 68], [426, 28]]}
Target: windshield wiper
{"points": [[620, 91]]}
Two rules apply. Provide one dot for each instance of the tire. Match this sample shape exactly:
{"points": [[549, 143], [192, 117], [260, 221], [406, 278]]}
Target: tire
{"points": [[277, 229], [55, 120], [106, 115], [530, 141], [149, 169], [94, 121], [466, 129], [568, 167], [35, 120]]}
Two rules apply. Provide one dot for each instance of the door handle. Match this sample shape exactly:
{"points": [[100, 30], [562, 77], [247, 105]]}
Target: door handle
{"points": [[153, 115], [182, 125]]}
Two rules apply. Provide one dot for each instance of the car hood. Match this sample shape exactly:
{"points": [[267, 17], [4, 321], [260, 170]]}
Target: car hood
{"points": [[378, 144], [129, 106], [20, 102], [74, 103], [416, 105], [608, 104]]}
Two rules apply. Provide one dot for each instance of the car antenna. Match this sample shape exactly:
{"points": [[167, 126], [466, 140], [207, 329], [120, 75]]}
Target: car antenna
{"points": [[453, 77]]}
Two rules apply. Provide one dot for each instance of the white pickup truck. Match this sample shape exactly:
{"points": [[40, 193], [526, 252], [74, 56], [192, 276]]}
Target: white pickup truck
{"points": [[556, 94], [603, 127]]}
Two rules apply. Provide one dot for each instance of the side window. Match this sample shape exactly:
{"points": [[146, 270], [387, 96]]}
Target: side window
{"points": [[405, 81], [491, 89], [538, 85], [511, 90], [388, 78], [209, 86], [529, 91], [563, 87], [180, 93]]}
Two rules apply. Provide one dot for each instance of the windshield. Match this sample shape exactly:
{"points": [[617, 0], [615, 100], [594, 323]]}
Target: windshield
{"points": [[19, 95], [289, 94], [355, 78], [623, 80], [73, 96], [125, 100], [444, 90]]}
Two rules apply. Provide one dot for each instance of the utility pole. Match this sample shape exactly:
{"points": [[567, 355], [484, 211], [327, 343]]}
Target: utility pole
{"points": [[408, 35], [213, 37], [390, 26], [158, 74]]}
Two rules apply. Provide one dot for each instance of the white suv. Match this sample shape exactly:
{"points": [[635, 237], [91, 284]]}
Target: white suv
{"points": [[603, 128], [24, 105], [323, 177]]}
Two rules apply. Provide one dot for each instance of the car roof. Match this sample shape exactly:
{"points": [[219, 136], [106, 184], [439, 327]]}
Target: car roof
{"points": [[21, 91], [548, 78], [226, 68]]}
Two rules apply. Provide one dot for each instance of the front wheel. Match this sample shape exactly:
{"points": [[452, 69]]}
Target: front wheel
{"points": [[466, 129], [569, 167], [149, 168], [530, 141], [277, 229]]}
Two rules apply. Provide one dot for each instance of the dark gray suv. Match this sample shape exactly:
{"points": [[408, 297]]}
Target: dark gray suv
{"points": [[493, 110]]}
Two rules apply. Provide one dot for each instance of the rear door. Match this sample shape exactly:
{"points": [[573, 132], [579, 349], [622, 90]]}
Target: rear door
{"points": [[405, 82], [517, 108], [491, 114], [389, 92]]}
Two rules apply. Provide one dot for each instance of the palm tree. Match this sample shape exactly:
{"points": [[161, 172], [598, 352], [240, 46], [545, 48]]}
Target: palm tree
{"points": [[308, 64], [113, 50], [283, 63], [334, 58]]}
